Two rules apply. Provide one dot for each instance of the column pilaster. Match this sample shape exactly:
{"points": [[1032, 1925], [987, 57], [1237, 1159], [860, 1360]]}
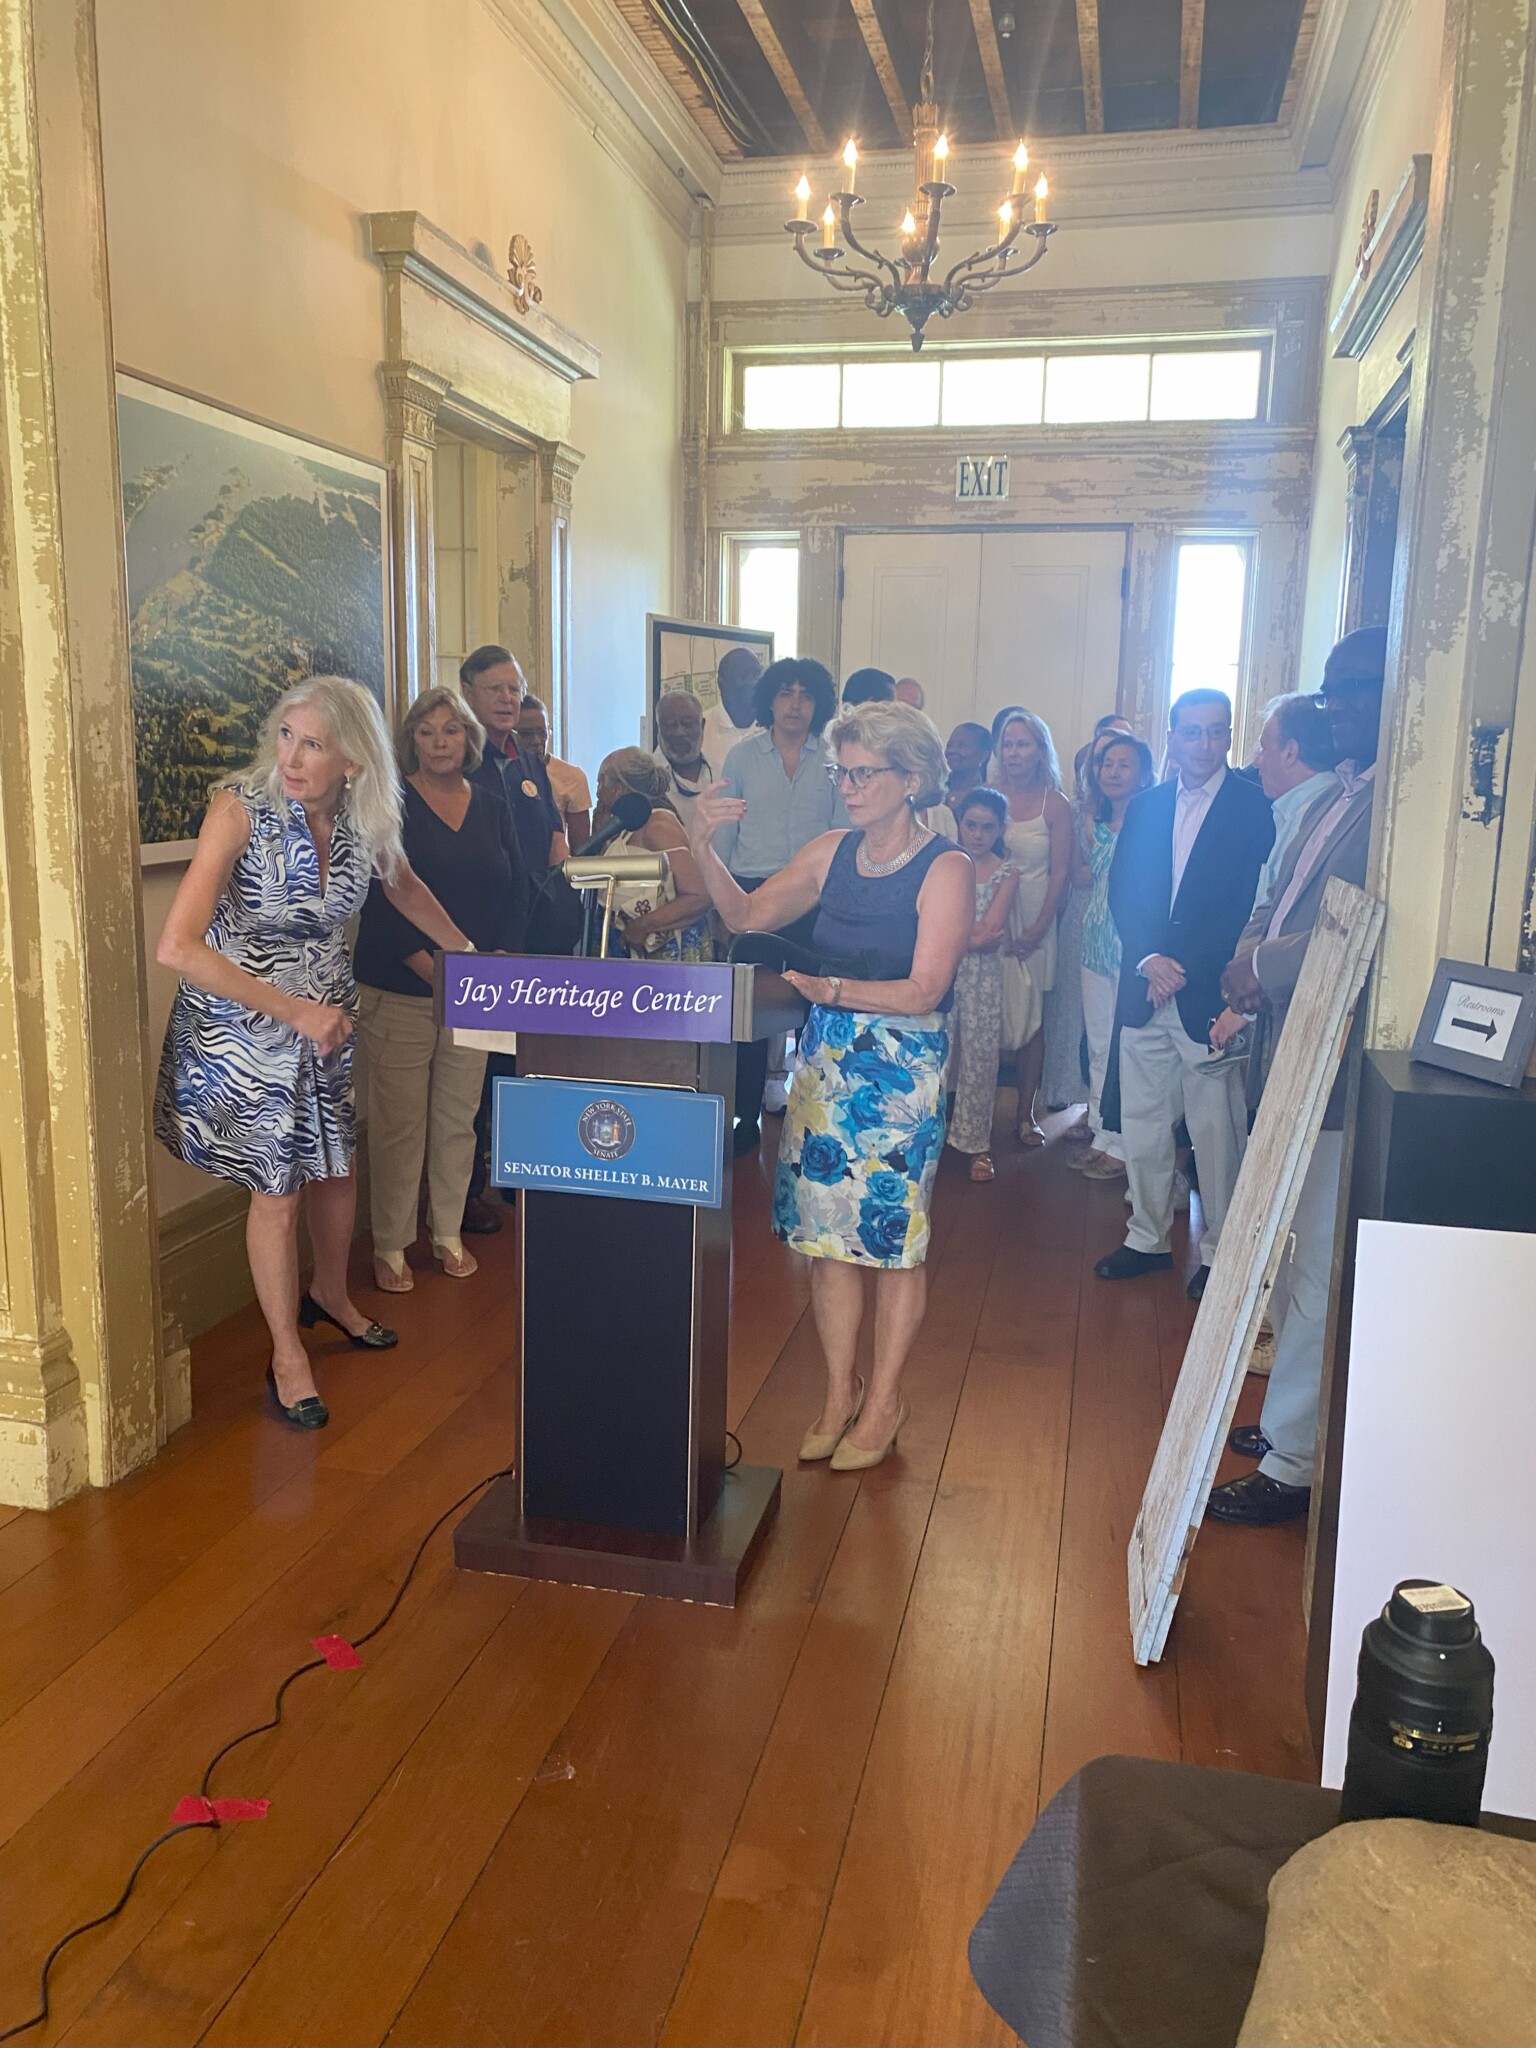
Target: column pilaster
{"points": [[81, 1399], [412, 396]]}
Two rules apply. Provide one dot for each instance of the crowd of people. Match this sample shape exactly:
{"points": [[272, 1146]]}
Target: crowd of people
{"points": [[947, 908]]}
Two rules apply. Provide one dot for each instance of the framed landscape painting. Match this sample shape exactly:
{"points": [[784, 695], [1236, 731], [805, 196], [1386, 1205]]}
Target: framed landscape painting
{"points": [[254, 559]]}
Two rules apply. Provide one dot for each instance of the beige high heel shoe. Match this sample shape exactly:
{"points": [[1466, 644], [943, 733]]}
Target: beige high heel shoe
{"points": [[849, 1458], [819, 1444], [457, 1263], [392, 1275]]}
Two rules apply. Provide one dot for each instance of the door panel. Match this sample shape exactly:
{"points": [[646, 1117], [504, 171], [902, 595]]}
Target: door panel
{"points": [[909, 605], [1049, 629], [988, 619]]}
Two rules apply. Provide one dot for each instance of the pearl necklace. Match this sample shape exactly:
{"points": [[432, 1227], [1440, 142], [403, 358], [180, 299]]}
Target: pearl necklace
{"points": [[917, 839]]}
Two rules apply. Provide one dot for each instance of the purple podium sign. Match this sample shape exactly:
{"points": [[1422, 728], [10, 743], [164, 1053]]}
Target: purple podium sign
{"points": [[586, 998]]}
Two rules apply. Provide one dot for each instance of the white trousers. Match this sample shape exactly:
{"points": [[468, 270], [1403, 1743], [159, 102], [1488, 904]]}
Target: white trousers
{"points": [[1289, 1419], [1099, 992], [421, 1092], [1162, 1078]]}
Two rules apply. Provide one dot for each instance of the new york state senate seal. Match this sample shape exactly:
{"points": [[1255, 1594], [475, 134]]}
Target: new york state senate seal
{"points": [[606, 1129]]}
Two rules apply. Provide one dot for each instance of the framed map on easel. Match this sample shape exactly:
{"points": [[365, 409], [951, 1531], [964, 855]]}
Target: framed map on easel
{"points": [[254, 559]]}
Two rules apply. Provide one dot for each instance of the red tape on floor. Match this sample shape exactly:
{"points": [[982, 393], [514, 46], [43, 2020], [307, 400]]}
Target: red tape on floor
{"points": [[195, 1812], [337, 1652]]}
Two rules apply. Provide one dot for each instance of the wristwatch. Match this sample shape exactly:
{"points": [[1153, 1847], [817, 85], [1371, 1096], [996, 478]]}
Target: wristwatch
{"points": [[835, 983]]}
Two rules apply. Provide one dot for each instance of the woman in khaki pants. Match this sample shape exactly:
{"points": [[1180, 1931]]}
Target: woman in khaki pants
{"points": [[421, 1091]]}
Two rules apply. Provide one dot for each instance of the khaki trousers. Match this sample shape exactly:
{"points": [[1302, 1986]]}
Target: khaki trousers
{"points": [[1163, 1076], [420, 1094]]}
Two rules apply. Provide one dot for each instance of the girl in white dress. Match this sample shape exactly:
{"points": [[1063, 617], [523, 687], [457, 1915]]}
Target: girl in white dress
{"points": [[979, 979], [1039, 844]]}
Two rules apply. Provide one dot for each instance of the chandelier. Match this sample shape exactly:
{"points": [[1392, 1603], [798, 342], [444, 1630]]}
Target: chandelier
{"points": [[908, 284]]}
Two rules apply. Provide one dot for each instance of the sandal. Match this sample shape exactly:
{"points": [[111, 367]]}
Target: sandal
{"points": [[982, 1168], [392, 1275], [457, 1263], [1031, 1137]]}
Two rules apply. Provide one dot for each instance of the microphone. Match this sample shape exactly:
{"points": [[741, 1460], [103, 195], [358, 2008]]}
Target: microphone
{"points": [[631, 813]]}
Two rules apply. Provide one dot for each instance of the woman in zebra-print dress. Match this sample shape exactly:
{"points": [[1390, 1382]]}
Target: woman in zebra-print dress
{"points": [[256, 1076]]}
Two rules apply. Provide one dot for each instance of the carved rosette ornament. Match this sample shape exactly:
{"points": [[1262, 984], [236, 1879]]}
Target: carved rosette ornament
{"points": [[1363, 255], [523, 274]]}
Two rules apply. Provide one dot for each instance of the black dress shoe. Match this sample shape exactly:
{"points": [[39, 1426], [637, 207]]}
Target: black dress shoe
{"points": [[310, 1413], [374, 1338], [746, 1138], [1249, 1441], [1258, 1500], [480, 1219], [1197, 1281], [1126, 1264]]}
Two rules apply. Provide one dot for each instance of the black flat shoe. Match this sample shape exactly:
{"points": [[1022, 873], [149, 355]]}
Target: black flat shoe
{"points": [[1258, 1500], [480, 1219], [1197, 1281], [374, 1338], [1249, 1441], [310, 1413], [746, 1138], [1126, 1264]]}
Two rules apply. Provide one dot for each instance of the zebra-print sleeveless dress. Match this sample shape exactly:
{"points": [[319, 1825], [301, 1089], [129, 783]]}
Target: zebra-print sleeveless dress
{"points": [[239, 1094]]}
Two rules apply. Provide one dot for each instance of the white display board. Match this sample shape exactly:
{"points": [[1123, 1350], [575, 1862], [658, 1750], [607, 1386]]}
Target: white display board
{"points": [[1437, 1478]]}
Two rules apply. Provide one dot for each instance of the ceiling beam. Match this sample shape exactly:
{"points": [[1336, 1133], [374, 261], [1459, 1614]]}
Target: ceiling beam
{"points": [[1191, 56], [789, 84], [1306, 35], [992, 65], [1088, 57], [885, 66]]}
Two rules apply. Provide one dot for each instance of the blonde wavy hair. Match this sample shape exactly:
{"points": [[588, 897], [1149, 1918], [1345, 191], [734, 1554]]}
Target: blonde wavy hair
{"points": [[435, 700], [356, 724], [637, 770], [905, 738]]}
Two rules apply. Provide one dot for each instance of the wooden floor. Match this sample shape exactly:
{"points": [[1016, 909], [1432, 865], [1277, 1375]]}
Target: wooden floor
{"points": [[539, 1814]]}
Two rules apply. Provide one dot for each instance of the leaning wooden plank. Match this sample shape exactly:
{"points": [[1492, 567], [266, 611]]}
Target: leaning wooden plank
{"points": [[1263, 1203]]}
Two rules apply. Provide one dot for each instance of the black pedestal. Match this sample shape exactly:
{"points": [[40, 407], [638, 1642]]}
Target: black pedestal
{"points": [[1429, 1147]]}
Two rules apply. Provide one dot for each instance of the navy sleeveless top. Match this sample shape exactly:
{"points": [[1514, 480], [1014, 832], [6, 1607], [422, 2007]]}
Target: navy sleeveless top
{"points": [[866, 927]]}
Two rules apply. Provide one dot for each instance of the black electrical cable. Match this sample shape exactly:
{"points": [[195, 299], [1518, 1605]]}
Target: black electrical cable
{"points": [[731, 1437], [703, 60], [247, 1735]]}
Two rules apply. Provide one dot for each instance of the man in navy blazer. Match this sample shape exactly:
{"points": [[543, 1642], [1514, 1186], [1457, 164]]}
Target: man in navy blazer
{"points": [[1181, 889]]}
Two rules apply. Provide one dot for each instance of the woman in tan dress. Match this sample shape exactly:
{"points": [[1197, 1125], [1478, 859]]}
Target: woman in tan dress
{"points": [[1039, 842]]}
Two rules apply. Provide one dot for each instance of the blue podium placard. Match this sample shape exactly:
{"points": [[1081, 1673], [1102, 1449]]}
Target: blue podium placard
{"points": [[590, 1138]]}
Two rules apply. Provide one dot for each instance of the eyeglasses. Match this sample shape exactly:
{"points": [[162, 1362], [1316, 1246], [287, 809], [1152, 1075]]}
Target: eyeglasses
{"points": [[858, 778]]}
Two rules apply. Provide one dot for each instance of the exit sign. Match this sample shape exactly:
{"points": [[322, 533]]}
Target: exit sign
{"points": [[981, 476]]}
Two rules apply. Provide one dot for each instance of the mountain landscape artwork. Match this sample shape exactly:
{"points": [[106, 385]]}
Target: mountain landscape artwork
{"points": [[254, 559]]}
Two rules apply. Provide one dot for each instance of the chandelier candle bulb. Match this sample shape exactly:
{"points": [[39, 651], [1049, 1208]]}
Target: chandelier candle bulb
{"points": [[941, 160], [1042, 194], [828, 228], [1020, 167], [908, 224], [851, 164], [803, 198], [1005, 215]]}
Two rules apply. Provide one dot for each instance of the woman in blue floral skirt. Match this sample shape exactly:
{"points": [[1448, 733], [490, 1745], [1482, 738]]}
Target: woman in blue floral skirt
{"points": [[865, 1125]]}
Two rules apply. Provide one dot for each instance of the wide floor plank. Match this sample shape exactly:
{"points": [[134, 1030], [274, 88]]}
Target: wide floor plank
{"points": [[541, 1814]]}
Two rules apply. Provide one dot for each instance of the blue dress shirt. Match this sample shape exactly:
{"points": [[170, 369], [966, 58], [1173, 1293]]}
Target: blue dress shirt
{"points": [[783, 811]]}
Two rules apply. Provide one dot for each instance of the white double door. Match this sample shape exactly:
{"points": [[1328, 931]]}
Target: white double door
{"points": [[1031, 617]]}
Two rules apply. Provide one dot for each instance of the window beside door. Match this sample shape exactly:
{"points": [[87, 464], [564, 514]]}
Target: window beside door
{"points": [[764, 588], [1210, 611]]}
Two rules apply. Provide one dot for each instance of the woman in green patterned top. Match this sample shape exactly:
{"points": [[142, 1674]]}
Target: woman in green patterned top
{"points": [[1120, 768]]}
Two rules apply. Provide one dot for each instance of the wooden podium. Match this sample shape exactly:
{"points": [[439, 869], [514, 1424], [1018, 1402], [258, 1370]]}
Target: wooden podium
{"points": [[621, 1477]]}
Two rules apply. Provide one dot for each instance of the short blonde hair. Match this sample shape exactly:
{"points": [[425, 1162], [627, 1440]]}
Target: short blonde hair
{"points": [[639, 771], [906, 738], [436, 700], [356, 724]]}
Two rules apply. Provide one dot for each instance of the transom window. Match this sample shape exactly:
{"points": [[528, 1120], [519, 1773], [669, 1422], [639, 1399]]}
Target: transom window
{"points": [[1056, 388]]}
